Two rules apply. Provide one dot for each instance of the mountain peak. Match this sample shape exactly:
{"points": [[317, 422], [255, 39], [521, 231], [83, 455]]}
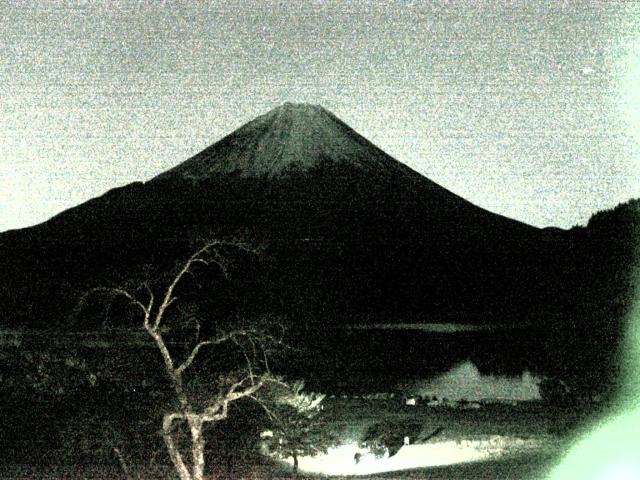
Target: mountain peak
{"points": [[292, 136], [290, 116], [297, 108]]}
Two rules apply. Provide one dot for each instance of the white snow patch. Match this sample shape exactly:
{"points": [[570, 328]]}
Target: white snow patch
{"points": [[340, 460], [465, 382]]}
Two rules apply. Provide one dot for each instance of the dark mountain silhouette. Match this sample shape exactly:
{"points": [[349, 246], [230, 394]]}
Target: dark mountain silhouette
{"points": [[350, 235]]}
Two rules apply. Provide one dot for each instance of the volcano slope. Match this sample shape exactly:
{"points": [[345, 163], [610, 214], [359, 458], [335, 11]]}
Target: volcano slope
{"points": [[349, 236]]}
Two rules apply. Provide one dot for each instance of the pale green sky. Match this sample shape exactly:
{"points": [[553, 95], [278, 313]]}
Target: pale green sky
{"points": [[530, 109]]}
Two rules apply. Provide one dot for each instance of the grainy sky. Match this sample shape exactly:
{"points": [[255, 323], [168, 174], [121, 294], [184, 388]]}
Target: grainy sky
{"points": [[530, 109]]}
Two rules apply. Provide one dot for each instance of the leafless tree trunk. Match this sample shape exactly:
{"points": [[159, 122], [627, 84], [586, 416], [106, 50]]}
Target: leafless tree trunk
{"points": [[196, 417]]}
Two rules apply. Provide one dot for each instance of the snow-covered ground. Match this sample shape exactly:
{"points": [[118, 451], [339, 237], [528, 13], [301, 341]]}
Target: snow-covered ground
{"points": [[341, 460]]}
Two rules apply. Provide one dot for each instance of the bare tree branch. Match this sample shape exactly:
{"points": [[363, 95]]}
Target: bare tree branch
{"points": [[151, 297], [250, 341], [168, 298], [131, 298], [114, 292], [270, 413], [247, 357], [266, 361], [233, 396], [197, 336], [192, 356]]}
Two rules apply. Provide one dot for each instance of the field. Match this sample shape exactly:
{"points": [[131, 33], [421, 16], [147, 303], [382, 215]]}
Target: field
{"points": [[66, 422], [495, 441]]}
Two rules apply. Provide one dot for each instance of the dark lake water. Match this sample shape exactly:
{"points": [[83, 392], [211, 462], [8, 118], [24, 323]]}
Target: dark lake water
{"points": [[369, 357]]}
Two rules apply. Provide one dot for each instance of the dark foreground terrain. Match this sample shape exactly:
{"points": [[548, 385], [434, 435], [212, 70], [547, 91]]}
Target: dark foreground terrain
{"points": [[77, 440], [71, 401]]}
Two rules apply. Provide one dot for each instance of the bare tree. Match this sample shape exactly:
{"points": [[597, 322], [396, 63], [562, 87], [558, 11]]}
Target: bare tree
{"points": [[192, 410]]}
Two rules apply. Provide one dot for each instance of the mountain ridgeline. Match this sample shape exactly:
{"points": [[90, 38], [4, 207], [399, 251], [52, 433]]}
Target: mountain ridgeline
{"points": [[348, 235]]}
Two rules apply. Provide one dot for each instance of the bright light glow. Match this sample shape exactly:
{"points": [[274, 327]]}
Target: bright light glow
{"points": [[340, 460], [622, 472], [608, 453]]}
